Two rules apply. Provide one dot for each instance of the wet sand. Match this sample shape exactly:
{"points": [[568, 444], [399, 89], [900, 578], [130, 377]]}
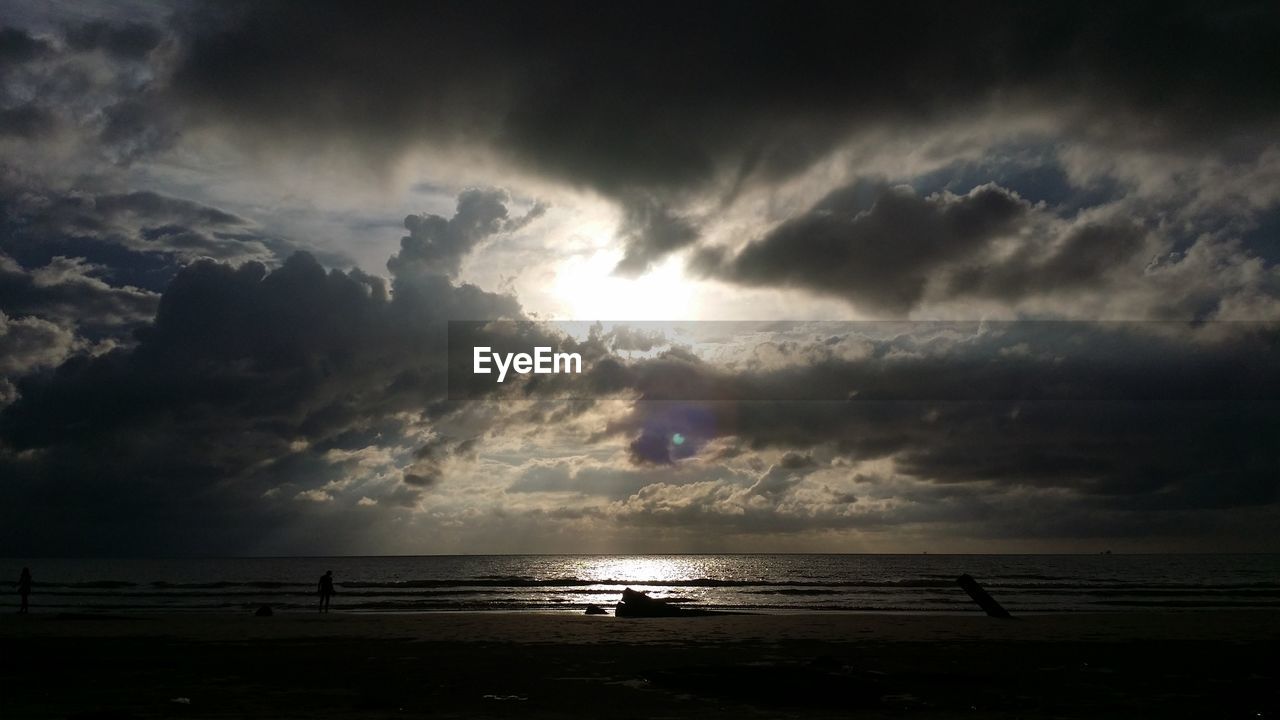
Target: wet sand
{"points": [[1192, 664]]}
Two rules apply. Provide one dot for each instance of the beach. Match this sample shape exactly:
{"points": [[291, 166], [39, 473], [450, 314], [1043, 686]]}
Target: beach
{"points": [[1217, 664]]}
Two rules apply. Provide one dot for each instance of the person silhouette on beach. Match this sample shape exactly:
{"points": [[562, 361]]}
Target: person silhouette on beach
{"points": [[24, 590], [326, 590]]}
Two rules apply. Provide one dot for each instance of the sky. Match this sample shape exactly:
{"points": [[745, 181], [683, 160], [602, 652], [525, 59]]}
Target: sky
{"points": [[846, 277]]}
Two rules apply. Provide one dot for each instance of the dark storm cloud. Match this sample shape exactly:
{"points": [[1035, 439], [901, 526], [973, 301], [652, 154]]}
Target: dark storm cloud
{"points": [[92, 264], [87, 93], [427, 470], [437, 245], [127, 41], [264, 391], [1082, 258], [989, 427], [217, 336], [16, 46], [71, 292], [888, 250], [136, 127], [258, 376], [26, 122], [651, 231], [243, 374], [1123, 413], [27, 345], [880, 257], [678, 98], [117, 231], [238, 365]]}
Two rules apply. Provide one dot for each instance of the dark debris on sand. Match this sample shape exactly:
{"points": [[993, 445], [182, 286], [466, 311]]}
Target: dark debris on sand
{"points": [[635, 604]]}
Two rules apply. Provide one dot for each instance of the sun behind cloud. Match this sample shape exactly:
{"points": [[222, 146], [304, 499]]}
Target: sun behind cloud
{"points": [[589, 289]]}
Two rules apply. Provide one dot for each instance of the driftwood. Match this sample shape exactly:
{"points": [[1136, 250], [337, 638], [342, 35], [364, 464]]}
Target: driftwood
{"points": [[982, 597]]}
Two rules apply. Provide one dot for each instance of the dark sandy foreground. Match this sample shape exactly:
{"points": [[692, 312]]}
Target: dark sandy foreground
{"points": [[1173, 665]]}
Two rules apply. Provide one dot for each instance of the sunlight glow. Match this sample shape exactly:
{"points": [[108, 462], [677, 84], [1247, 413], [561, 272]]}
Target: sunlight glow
{"points": [[586, 288]]}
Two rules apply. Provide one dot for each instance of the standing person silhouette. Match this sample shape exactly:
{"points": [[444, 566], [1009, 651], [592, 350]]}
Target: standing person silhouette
{"points": [[24, 589], [326, 590]]}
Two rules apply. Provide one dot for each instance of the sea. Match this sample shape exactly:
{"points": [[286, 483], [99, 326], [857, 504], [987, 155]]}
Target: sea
{"points": [[568, 583]]}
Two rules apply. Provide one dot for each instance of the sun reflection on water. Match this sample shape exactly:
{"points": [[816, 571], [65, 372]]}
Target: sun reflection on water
{"points": [[649, 569]]}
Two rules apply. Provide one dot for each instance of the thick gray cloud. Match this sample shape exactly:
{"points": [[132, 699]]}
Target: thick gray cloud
{"points": [[26, 122], [21, 117], [244, 373], [651, 231], [644, 104], [126, 41], [888, 253], [1082, 258], [93, 263], [17, 46], [267, 377], [169, 366], [437, 245], [71, 292], [1114, 410], [30, 343], [994, 430], [879, 257], [27, 345], [136, 238]]}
